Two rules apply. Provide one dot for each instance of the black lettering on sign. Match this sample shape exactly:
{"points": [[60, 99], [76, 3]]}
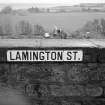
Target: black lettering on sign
{"points": [[60, 56], [35, 55], [11, 56], [41, 55], [18, 56], [75, 55], [53, 55], [47, 55], [25, 55], [31, 57], [69, 56]]}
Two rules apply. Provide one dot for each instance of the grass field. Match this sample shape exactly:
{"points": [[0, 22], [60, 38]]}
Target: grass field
{"points": [[68, 21]]}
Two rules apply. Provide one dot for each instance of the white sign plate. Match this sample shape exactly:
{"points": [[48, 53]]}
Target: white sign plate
{"points": [[44, 55]]}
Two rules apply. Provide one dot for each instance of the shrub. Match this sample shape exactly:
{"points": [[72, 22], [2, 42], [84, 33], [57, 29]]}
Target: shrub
{"points": [[6, 10]]}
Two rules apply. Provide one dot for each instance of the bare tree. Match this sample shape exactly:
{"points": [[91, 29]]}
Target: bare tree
{"points": [[8, 29], [38, 30], [103, 26], [1, 30], [24, 28]]}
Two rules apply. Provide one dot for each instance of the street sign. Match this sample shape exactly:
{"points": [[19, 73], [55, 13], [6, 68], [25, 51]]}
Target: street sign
{"points": [[44, 55]]}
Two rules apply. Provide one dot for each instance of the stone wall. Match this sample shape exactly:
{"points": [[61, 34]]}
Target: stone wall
{"points": [[56, 83]]}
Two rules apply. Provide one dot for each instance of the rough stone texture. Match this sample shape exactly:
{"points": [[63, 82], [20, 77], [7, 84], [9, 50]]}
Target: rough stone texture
{"points": [[76, 91], [19, 76]]}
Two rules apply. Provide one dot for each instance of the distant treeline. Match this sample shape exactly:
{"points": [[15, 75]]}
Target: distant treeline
{"points": [[24, 29], [21, 28], [92, 29], [9, 9], [59, 9]]}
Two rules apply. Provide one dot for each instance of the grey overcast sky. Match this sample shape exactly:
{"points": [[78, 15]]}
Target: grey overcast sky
{"points": [[52, 1]]}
